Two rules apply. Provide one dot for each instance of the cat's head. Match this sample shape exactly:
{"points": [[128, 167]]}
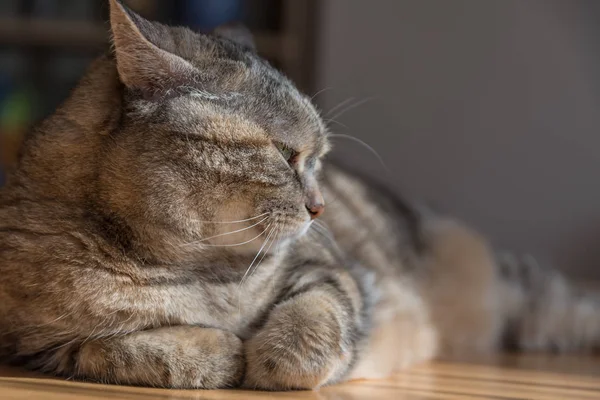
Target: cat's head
{"points": [[210, 133]]}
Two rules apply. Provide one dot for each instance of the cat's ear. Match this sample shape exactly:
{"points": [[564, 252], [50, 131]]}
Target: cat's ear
{"points": [[141, 50], [238, 33]]}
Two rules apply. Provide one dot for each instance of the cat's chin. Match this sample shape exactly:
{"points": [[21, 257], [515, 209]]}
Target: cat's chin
{"points": [[295, 230]]}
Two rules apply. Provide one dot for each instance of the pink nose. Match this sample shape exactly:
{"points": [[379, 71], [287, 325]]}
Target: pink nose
{"points": [[315, 210]]}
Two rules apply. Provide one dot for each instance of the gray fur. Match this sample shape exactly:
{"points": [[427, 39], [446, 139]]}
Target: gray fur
{"points": [[122, 260]]}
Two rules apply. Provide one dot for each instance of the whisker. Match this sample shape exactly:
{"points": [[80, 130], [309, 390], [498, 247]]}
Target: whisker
{"points": [[314, 229], [319, 92], [227, 233], [319, 237], [274, 275], [367, 146], [324, 235], [256, 257], [231, 222], [350, 107], [278, 230], [340, 105], [239, 244], [322, 224], [322, 230], [250, 267], [328, 121]]}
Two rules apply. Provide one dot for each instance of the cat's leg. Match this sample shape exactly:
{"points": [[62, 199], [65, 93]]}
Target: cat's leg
{"points": [[312, 336], [173, 357]]}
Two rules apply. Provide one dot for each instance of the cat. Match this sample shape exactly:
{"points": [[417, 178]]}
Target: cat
{"points": [[166, 227]]}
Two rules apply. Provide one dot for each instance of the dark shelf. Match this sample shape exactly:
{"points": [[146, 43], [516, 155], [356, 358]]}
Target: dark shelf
{"points": [[53, 33], [95, 36]]}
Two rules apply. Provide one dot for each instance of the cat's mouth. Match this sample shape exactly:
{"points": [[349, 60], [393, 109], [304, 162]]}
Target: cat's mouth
{"points": [[290, 226]]}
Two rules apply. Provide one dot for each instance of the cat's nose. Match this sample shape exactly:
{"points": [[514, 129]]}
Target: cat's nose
{"points": [[315, 210], [315, 204]]}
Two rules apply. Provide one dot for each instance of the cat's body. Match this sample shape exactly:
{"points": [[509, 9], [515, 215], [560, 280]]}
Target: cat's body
{"points": [[119, 264]]}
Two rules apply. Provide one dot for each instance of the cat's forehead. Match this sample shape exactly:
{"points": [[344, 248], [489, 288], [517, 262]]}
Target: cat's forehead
{"points": [[288, 114], [283, 116], [266, 97], [240, 83], [298, 124]]}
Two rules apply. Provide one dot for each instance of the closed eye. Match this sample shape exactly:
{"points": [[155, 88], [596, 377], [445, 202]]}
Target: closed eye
{"points": [[287, 152]]}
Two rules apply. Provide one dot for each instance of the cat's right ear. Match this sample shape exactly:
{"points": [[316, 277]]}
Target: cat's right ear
{"points": [[140, 48]]}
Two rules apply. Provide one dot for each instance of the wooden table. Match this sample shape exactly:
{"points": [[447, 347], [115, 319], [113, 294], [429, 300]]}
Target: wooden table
{"points": [[499, 378]]}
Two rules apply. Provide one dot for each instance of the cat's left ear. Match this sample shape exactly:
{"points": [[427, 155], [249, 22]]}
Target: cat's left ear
{"points": [[237, 33], [144, 52]]}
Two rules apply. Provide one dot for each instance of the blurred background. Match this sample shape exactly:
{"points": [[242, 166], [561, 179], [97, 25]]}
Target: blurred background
{"points": [[487, 110]]}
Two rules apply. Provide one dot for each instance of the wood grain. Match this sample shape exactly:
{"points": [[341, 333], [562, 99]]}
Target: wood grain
{"points": [[504, 377]]}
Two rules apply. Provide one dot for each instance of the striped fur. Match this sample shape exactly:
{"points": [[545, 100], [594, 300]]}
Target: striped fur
{"points": [[155, 233]]}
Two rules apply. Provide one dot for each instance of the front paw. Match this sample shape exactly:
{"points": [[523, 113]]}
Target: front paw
{"points": [[179, 357], [300, 347]]}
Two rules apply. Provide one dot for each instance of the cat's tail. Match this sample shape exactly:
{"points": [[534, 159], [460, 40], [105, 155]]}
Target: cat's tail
{"points": [[542, 311], [481, 301]]}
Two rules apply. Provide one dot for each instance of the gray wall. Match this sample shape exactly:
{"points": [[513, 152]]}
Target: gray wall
{"points": [[485, 109]]}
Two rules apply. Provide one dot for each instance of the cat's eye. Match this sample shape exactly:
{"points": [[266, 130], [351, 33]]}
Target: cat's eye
{"points": [[287, 152]]}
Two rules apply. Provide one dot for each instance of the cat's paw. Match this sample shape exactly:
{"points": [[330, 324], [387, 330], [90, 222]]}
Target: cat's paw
{"points": [[182, 357], [300, 347], [220, 362]]}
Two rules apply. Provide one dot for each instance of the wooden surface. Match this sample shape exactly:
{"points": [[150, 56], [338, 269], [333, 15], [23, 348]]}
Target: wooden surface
{"points": [[500, 378]]}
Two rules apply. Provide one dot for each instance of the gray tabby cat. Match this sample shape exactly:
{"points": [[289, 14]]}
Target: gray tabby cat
{"points": [[160, 230]]}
